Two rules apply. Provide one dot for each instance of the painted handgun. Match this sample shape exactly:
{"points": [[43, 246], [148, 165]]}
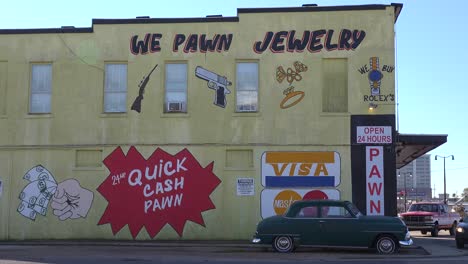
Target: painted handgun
{"points": [[216, 82]]}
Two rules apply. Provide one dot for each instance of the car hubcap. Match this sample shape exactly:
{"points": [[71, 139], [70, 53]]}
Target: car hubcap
{"points": [[283, 243], [386, 246]]}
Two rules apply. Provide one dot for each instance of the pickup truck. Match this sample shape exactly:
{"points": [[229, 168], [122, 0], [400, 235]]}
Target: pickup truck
{"points": [[430, 217]]}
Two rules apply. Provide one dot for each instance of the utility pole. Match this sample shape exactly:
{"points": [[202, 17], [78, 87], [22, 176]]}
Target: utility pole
{"points": [[445, 190], [404, 181]]}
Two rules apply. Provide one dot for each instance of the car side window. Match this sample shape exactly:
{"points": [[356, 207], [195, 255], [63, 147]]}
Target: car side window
{"points": [[308, 212], [442, 209], [336, 212], [325, 211]]}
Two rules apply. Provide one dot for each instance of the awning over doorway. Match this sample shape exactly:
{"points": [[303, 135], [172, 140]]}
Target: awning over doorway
{"points": [[410, 146]]}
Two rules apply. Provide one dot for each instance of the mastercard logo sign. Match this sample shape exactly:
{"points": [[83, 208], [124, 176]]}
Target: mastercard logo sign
{"points": [[285, 198]]}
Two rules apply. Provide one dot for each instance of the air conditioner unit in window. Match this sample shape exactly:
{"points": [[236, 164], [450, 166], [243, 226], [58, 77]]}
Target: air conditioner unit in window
{"points": [[246, 108], [174, 106]]}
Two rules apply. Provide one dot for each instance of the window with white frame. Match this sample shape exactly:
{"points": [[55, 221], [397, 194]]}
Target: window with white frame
{"points": [[176, 88], [115, 88], [247, 87], [41, 89]]}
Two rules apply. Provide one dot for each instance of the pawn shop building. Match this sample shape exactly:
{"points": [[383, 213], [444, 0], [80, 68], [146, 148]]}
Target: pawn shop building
{"points": [[177, 128]]}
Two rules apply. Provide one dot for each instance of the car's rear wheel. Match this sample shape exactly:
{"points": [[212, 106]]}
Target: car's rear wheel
{"points": [[283, 244], [435, 231], [386, 245], [460, 243], [424, 232]]}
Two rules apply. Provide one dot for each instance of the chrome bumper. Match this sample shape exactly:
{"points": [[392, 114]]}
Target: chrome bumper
{"points": [[408, 241], [256, 240]]}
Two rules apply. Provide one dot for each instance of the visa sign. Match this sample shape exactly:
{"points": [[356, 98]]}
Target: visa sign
{"points": [[301, 169]]}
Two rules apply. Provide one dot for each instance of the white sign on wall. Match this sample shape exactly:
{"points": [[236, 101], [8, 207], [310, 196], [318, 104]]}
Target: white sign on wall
{"points": [[245, 187], [277, 201], [308, 169], [374, 180], [374, 135]]}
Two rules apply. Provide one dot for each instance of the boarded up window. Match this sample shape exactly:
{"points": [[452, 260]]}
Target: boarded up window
{"points": [[3, 86], [335, 85], [239, 159], [88, 158]]}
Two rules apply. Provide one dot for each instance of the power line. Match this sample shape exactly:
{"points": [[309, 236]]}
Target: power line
{"points": [[462, 168], [78, 57]]}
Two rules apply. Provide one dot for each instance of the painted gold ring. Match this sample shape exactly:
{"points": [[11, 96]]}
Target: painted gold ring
{"points": [[289, 96]]}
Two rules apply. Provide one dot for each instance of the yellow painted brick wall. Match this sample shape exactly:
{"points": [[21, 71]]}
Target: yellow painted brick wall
{"points": [[77, 121]]}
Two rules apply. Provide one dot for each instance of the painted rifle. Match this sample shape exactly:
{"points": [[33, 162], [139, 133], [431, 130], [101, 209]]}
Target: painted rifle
{"points": [[137, 103]]}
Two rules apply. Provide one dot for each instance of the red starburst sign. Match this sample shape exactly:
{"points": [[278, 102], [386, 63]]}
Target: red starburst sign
{"points": [[163, 189]]}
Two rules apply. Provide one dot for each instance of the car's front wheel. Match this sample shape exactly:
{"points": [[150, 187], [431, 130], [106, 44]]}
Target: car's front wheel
{"points": [[386, 245], [283, 244]]}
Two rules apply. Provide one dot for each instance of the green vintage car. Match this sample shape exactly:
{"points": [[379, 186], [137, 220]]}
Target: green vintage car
{"points": [[331, 223]]}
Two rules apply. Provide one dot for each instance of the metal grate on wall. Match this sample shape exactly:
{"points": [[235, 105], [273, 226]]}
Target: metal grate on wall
{"points": [[88, 158], [239, 158]]}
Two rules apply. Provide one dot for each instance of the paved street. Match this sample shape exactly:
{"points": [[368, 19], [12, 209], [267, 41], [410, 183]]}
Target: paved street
{"points": [[426, 250]]}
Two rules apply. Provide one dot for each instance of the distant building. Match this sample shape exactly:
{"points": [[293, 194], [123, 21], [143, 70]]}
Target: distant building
{"points": [[418, 179]]}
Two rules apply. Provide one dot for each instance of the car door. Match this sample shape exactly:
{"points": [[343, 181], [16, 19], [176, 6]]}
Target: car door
{"points": [[306, 223], [339, 227], [443, 215]]}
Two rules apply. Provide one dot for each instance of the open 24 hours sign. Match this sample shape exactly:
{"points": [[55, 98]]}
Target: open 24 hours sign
{"points": [[301, 169]]}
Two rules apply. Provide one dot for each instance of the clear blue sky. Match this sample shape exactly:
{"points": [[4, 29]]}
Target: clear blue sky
{"points": [[431, 57]]}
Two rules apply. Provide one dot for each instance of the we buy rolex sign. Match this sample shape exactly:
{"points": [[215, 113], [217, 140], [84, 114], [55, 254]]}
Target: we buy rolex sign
{"points": [[163, 189]]}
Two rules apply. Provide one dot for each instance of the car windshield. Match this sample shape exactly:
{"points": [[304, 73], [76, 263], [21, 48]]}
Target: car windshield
{"points": [[423, 207]]}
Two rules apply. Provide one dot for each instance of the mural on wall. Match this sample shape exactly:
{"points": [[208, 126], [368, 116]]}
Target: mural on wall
{"points": [[375, 75], [142, 85], [277, 201], [277, 42], [69, 199], [291, 75], [312, 41], [163, 189], [194, 42], [288, 177], [216, 82]]}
